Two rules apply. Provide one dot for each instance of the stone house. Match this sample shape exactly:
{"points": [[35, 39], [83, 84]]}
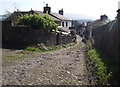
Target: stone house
{"points": [[59, 18]]}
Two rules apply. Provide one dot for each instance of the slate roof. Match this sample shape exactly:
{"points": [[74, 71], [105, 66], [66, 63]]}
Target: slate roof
{"points": [[54, 16], [61, 17], [40, 12], [15, 14]]}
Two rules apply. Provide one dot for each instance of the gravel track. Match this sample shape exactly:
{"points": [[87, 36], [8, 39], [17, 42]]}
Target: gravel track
{"points": [[66, 66]]}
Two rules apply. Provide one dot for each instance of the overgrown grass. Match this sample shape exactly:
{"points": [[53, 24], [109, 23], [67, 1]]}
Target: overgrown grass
{"points": [[33, 49], [49, 48], [102, 74]]}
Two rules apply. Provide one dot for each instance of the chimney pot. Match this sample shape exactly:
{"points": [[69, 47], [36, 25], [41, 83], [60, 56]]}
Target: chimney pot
{"points": [[61, 11]]}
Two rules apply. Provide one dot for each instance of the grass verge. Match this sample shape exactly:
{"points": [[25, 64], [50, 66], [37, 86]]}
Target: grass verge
{"points": [[101, 70]]}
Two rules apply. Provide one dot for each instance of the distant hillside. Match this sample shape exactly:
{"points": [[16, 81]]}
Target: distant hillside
{"points": [[5, 16], [84, 20], [79, 17], [0, 17]]}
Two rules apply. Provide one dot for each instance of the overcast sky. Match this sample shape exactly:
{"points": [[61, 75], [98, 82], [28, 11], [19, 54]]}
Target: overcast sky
{"points": [[92, 8]]}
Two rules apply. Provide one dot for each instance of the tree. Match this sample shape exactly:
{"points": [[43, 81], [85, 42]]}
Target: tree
{"points": [[37, 21]]}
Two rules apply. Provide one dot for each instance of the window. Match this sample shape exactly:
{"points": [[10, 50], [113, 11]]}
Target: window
{"points": [[66, 24], [63, 24]]}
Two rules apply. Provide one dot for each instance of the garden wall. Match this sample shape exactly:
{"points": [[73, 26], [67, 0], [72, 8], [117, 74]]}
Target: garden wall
{"points": [[26, 36], [105, 38]]}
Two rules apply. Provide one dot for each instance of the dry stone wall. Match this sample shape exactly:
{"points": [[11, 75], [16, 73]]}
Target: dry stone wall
{"points": [[26, 36]]}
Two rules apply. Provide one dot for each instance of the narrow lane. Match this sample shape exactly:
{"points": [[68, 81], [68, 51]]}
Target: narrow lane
{"points": [[60, 67]]}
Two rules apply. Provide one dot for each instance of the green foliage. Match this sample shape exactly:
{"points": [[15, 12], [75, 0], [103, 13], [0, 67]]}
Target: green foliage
{"points": [[33, 49], [49, 48], [37, 21], [102, 73]]}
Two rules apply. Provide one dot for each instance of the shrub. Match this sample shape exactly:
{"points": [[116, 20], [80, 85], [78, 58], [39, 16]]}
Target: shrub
{"points": [[37, 21]]}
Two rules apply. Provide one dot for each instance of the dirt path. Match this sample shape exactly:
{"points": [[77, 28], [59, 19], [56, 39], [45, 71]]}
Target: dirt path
{"points": [[61, 67]]}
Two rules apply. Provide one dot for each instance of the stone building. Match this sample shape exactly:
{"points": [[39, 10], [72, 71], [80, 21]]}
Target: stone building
{"points": [[59, 18]]}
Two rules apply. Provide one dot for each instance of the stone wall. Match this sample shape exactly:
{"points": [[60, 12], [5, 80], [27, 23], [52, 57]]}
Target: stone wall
{"points": [[26, 36], [105, 38], [106, 41]]}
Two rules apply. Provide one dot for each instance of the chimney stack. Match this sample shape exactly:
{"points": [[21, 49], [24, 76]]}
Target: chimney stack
{"points": [[61, 12], [47, 9], [103, 17]]}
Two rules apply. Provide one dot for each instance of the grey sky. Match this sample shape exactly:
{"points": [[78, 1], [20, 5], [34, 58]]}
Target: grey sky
{"points": [[92, 8]]}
